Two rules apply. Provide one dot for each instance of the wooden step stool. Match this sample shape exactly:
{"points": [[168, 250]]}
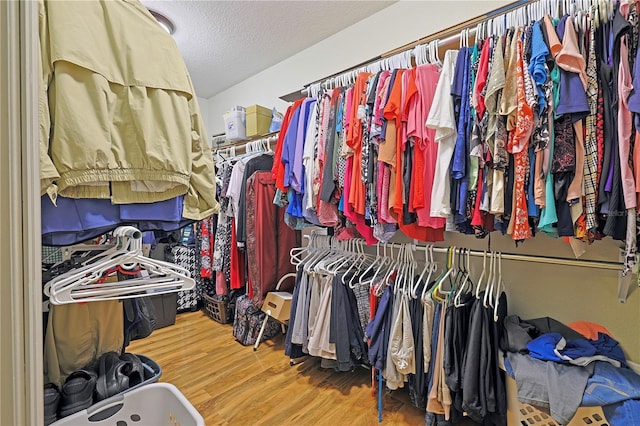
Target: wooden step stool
{"points": [[277, 305]]}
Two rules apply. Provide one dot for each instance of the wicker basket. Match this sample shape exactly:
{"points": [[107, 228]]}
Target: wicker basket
{"points": [[527, 415], [217, 310]]}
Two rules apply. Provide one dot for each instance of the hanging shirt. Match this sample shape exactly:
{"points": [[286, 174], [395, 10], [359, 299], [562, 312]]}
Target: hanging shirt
{"points": [[441, 118], [428, 77], [539, 52], [460, 92], [518, 145], [481, 80], [278, 167], [297, 171], [354, 141], [289, 146], [308, 154], [389, 148]]}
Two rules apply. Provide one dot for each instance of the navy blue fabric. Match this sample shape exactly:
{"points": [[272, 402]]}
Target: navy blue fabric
{"points": [[375, 330], [609, 347], [76, 220]]}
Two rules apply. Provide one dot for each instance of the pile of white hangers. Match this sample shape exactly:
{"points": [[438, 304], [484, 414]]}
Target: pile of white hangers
{"points": [[252, 147], [88, 284], [397, 265]]}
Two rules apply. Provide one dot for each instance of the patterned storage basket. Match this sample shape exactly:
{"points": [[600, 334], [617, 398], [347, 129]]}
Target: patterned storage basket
{"points": [[218, 310]]}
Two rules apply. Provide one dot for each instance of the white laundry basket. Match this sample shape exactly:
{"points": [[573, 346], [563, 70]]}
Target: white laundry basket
{"points": [[155, 404], [527, 415]]}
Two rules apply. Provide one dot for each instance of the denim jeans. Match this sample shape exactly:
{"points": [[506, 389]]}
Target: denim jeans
{"points": [[617, 390]]}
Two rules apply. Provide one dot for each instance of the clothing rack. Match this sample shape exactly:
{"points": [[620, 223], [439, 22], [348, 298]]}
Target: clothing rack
{"points": [[250, 145], [495, 22], [269, 137], [624, 283], [550, 260]]}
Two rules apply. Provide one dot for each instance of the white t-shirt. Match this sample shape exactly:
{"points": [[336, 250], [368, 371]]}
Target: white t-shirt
{"points": [[442, 119], [235, 186], [310, 143]]}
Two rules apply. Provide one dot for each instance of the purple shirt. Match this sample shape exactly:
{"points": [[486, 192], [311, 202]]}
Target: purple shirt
{"points": [[297, 175], [289, 146]]}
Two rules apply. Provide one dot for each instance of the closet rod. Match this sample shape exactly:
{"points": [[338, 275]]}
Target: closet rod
{"points": [[550, 260], [447, 36], [598, 264], [243, 143]]}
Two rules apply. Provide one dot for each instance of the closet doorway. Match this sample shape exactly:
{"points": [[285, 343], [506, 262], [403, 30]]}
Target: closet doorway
{"points": [[20, 277]]}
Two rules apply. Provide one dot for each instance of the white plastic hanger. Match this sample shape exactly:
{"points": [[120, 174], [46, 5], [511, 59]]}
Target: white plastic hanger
{"points": [[394, 266], [484, 269], [419, 280], [416, 54], [377, 260], [385, 262], [499, 288], [488, 294], [297, 254], [379, 285], [450, 273], [84, 284], [433, 267], [465, 280]]}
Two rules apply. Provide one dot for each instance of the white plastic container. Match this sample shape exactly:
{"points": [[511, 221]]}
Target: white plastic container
{"points": [[235, 124], [155, 404]]}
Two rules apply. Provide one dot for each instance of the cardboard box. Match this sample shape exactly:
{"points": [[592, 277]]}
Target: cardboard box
{"points": [[278, 303], [258, 120]]}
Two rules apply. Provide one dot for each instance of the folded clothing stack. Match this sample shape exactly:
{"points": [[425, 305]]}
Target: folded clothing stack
{"points": [[111, 374]]}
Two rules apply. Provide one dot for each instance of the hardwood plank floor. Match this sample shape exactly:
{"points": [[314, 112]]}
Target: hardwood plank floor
{"points": [[230, 384]]}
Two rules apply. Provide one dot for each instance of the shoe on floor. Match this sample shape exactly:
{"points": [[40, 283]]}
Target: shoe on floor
{"points": [[51, 403], [134, 369], [77, 392], [112, 377]]}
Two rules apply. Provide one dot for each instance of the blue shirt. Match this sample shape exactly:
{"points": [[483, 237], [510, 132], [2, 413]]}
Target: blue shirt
{"points": [[539, 52], [289, 146]]}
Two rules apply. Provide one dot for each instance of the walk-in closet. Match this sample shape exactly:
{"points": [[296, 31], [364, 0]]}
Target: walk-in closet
{"points": [[320, 212]]}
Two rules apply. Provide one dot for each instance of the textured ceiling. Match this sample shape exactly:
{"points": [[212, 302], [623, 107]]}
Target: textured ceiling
{"points": [[225, 42]]}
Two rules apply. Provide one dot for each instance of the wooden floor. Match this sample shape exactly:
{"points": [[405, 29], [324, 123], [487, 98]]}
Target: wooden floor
{"points": [[230, 384]]}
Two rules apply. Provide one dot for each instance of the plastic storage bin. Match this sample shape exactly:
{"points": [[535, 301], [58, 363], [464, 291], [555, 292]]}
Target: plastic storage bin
{"points": [[166, 307], [235, 124], [152, 405]]}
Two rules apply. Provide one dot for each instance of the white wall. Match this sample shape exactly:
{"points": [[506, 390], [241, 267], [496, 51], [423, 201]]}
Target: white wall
{"points": [[392, 27], [203, 103]]}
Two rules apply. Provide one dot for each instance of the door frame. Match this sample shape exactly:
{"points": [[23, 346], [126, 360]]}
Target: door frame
{"points": [[21, 366]]}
